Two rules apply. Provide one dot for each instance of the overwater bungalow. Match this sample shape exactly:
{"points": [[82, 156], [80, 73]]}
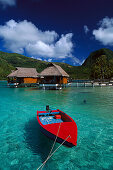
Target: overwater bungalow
{"points": [[53, 75], [23, 77]]}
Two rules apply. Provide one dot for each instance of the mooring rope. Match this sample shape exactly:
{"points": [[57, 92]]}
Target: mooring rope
{"points": [[52, 146], [53, 153]]}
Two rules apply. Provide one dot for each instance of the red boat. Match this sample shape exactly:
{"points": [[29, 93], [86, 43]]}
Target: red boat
{"points": [[56, 124]]}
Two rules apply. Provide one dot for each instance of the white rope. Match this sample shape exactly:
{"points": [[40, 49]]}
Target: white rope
{"points": [[53, 153], [52, 146]]}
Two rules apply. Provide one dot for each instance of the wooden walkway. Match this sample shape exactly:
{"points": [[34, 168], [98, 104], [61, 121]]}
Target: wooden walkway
{"points": [[90, 84]]}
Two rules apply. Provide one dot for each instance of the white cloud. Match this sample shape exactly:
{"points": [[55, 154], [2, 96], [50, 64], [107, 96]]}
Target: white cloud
{"points": [[39, 59], [45, 60], [75, 60], [86, 29], [64, 46], [8, 2], [50, 59], [82, 61], [104, 33], [25, 36], [57, 49], [40, 48]]}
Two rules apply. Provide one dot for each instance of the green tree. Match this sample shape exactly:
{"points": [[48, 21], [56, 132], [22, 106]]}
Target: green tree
{"points": [[101, 68], [111, 67]]}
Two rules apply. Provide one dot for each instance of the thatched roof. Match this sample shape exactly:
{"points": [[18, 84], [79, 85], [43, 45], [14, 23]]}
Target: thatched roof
{"points": [[54, 70], [24, 72]]}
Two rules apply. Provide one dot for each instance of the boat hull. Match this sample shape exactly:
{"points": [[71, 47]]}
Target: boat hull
{"points": [[63, 131], [53, 137]]}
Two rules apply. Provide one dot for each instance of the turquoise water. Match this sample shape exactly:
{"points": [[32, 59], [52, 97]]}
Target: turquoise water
{"points": [[24, 147]]}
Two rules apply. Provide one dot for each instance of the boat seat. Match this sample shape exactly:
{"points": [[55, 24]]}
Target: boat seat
{"points": [[49, 120]]}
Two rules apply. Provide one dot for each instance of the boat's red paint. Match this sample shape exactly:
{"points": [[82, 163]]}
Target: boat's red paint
{"points": [[66, 128]]}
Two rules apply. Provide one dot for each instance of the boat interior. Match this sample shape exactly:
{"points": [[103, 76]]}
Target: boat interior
{"points": [[53, 117]]}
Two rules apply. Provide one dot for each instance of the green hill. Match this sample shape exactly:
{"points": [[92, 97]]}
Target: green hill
{"points": [[5, 68], [90, 69], [8, 62], [100, 64], [12, 60], [18, 60], [94, 56]]}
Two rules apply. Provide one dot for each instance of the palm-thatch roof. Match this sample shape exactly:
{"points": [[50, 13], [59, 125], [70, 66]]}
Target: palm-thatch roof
{"points": [[24, 72], [54, 70]]}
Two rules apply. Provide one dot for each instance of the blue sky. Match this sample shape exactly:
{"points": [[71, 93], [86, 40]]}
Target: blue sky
{"points": [[56, 30]]}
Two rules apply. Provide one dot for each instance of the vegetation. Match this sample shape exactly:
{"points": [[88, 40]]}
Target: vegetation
{"points": [[98, 65], [8, 62], [101, 68], [5, 69]]}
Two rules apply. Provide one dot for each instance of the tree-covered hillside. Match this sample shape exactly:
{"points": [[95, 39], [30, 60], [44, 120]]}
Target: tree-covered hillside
{"points": [[94, 56], [98, 65], [5, 68], [13, 60], [8, 62]]}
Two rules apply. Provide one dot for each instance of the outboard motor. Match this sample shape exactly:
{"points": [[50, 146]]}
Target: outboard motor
{"points": [[47, 108]]}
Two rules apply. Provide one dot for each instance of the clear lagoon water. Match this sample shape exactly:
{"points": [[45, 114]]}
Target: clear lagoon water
{"points": [[24, 147]]}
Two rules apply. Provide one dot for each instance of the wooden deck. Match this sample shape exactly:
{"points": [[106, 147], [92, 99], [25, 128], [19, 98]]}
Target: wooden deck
{"points": [[52, 86], [89, 84]]}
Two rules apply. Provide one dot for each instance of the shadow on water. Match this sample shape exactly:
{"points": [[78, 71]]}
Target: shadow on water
{"points": [[37, 142], [31, 89]]}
